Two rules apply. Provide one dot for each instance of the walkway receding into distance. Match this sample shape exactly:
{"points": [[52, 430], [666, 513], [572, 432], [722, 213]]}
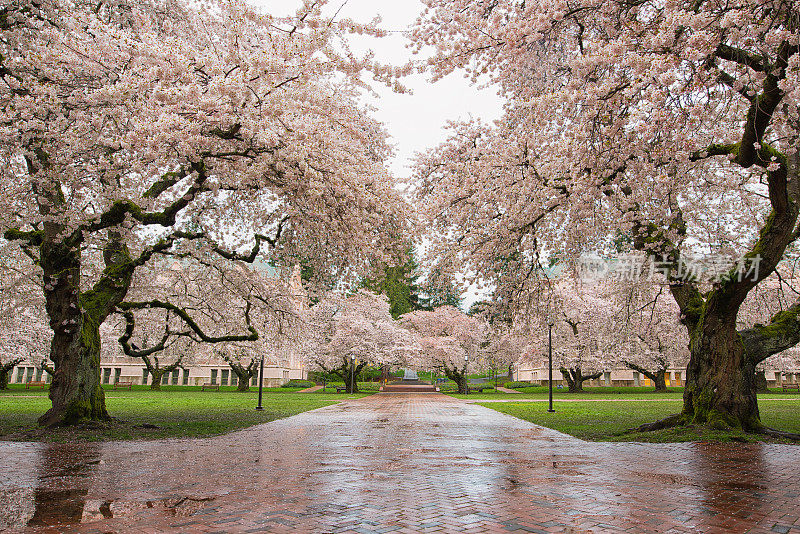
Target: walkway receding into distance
{"points": [[399, 463]]}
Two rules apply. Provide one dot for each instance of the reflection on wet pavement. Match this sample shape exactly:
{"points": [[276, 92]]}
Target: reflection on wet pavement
{"points": [[399, 463]]}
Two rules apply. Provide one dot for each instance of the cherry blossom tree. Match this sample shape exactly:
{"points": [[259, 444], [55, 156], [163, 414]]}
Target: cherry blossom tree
{"points": [[133, 129], [583, 343], [450, 341], [667, 123], [503, 347], [345, 333], [651, 338], [23, 325], [220, 299]]}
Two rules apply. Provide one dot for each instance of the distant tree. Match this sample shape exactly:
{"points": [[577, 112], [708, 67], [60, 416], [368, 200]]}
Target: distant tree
{"points": [[450, 341], [399, 284], [441, 290], [652, 339], [5, 369], [24, 333], [344, 334]]}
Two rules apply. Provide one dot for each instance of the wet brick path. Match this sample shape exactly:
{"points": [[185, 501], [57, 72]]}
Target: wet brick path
{"points": [[399, 463]]}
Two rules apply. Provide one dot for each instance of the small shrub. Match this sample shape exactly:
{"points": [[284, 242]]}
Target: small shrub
{"points": [[295, 383], [517, 384]]}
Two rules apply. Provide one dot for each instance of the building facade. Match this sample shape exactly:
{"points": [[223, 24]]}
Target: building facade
{"points": [[624, 377]]}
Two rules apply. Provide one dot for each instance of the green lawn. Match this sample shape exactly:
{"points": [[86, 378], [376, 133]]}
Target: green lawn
{"points": [[540, 392], [171, 412], [608, 420]]}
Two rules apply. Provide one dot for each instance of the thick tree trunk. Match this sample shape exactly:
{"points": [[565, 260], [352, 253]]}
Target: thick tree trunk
{"points": [[157, 376], [4, 378], [243, 374], [459, 377], [243, 384], [661, 381], [761, 382], [350, 384], [75, 391], [659, 377], [574, 384], [720, 382]]}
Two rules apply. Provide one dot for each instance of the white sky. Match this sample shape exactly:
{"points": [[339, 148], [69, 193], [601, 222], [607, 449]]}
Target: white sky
{"points": [[414, 121]]}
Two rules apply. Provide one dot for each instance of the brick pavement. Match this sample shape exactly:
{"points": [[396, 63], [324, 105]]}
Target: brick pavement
{"points": [[399, 463]]}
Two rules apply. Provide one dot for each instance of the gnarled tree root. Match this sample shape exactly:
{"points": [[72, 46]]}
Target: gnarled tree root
{"points": [[667, 422], [677, 420], [779, 433]]}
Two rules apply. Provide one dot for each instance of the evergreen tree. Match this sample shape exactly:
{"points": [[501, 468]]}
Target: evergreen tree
{"points": [[399, 284]]}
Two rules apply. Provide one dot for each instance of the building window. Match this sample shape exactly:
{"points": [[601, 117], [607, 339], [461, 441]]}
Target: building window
{"points": [[234, 379], [165, 379], [185, 377], [213, 376], [224, 380], [144, 376], [38, 375], [117, 374], [285, 375], [20, 375], [31, 370], [254, 381], [106, 375], [175, 376]]}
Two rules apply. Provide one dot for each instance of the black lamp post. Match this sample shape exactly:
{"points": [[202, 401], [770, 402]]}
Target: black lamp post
{"points": [[466, 376], [550, 362], [352, 372], [260, 383]]}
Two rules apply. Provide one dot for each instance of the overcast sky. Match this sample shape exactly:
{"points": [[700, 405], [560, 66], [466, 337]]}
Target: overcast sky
{"points": [[415, 121]]}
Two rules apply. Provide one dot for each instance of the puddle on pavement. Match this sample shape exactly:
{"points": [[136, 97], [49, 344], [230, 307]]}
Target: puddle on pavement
{"points": [[54, 491]]}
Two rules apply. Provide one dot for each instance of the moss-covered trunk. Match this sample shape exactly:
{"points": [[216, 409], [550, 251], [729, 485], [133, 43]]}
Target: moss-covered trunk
{"points": [[75, 349], [460, 377], [720, 382], [244, 376], [75, 319], [75, 392]]}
